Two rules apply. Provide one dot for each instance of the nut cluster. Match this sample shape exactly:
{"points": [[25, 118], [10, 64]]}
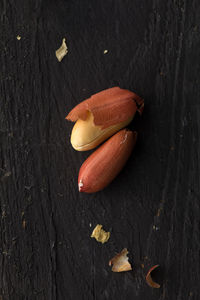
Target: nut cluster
{"points": [[97, 119]]}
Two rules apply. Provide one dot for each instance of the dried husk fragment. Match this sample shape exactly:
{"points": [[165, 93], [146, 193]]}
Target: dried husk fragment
{"points": [[120, 262], [149, 278], [62, 51], [100, 235]]}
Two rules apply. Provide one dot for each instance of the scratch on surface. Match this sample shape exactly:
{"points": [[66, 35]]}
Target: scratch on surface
{"points": [[159, 211], [124, 140], [3, 213], [7, 174], [24, 224]]}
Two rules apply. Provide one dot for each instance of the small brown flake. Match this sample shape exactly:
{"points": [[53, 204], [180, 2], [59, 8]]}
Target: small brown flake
{"points": [[149, 279]]}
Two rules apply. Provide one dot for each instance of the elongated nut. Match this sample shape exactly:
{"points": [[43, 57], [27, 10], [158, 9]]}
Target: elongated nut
{"points": [[102, 115], [103, 165]]}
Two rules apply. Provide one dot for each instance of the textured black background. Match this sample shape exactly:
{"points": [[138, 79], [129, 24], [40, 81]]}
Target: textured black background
{"points": [[152, 207]]}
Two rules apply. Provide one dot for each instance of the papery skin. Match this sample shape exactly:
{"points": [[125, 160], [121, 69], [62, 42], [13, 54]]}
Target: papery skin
{"points": [[120, 262], [99, 234], [103, 165], [101, 116], [149, 279], [109, 107]]}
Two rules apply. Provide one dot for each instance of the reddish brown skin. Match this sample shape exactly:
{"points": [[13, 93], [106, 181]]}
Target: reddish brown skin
{"points": [[109, 107], [103, 165], [149, 279]]}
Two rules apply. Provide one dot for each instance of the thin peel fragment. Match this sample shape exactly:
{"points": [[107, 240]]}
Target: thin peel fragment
{"points": [[108, 107], [62, 51], [149, 279], [120, 262], [100, 235]]}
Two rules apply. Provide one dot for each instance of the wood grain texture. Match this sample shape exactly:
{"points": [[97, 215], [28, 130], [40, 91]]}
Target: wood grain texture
{"points": [[152, 207]]}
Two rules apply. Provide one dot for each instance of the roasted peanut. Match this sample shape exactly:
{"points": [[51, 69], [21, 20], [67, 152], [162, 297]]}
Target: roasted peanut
{"points": [[102, 115], [103, 165]]}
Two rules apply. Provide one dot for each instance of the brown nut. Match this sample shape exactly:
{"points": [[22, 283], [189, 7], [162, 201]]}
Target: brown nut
{"points": [[103, 165], [102, 115]]}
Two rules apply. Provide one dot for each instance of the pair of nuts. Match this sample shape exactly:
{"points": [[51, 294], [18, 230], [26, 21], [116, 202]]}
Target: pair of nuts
{"points": [[97, 119]]}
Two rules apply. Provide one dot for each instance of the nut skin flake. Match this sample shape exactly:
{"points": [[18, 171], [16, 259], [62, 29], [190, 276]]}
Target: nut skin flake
{"points": [[120, 262], [100, 235], [62, 51], [150, 280]]}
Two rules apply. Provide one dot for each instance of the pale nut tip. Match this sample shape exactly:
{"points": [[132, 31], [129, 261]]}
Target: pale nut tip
{"points": [[80, 186]]}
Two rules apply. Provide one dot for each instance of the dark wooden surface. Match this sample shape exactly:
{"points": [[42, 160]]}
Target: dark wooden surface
{"points": [[152, 207]]}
